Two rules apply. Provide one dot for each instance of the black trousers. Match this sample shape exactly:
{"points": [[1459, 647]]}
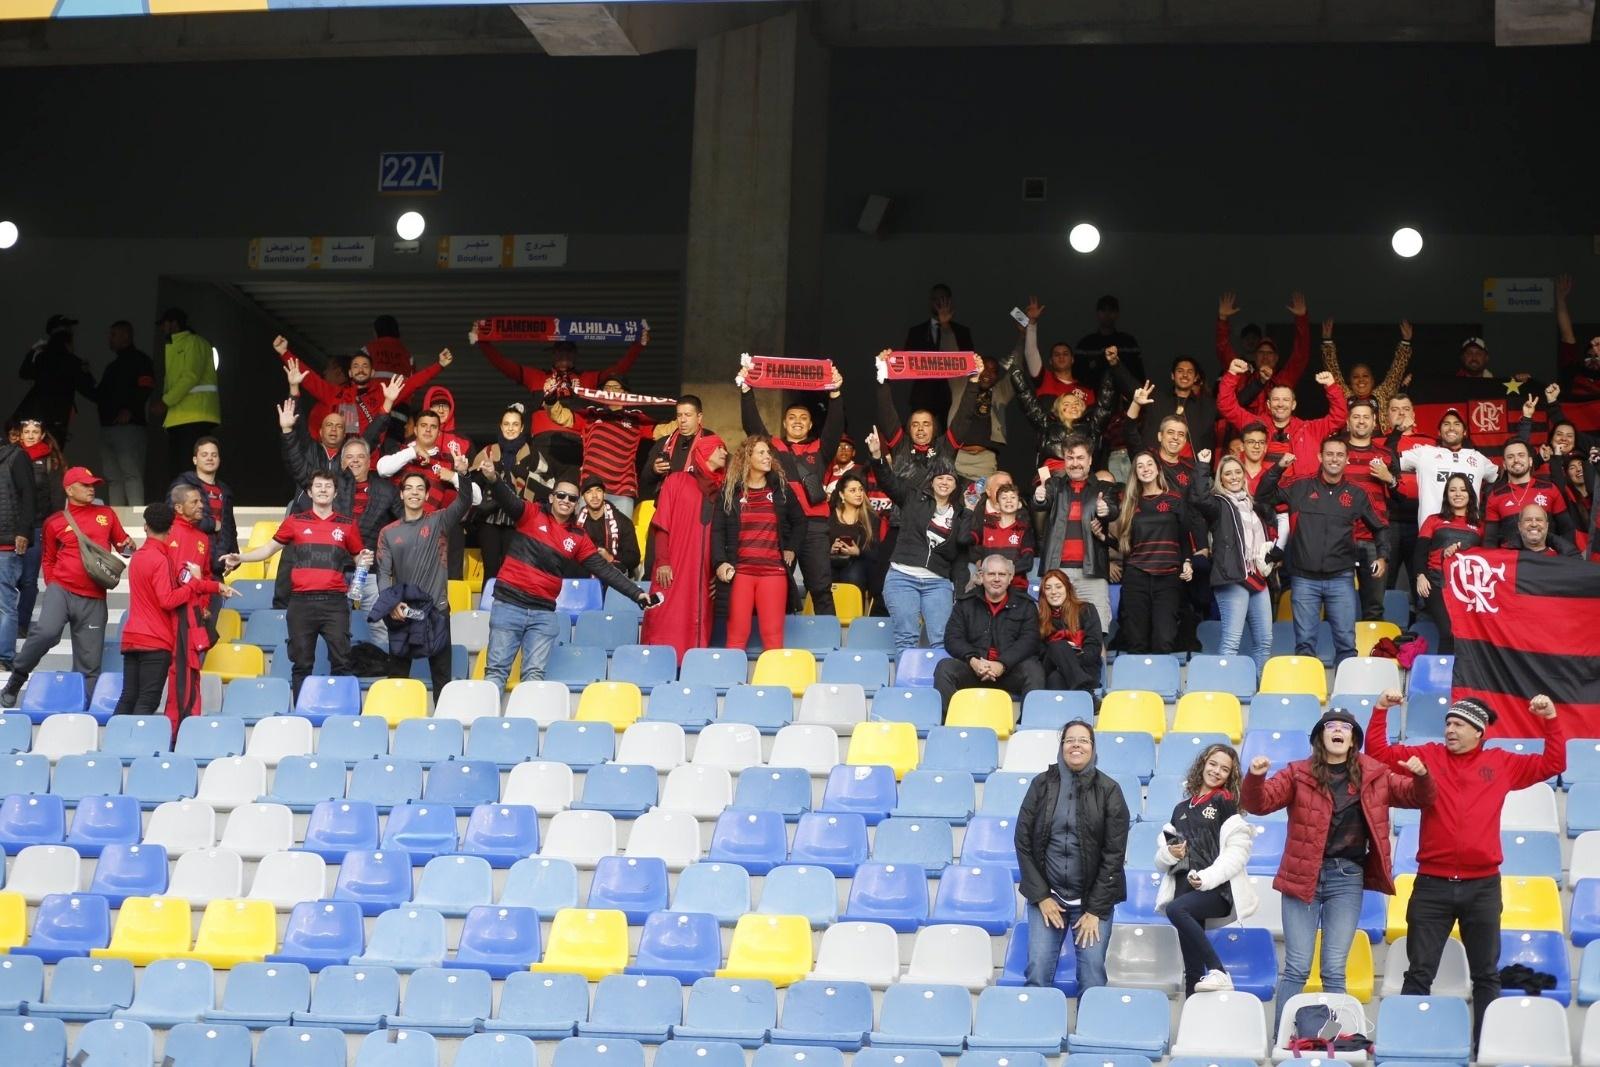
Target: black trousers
{"points": [[181, 439], [1188, 912], [1370, 589], [1437, 904], [313, 615], [1065, 668], [1147, 618], [1402, 544], [953, 674], [1435, 608], [438, 669], [816, 566], [493, 540], [143, 675]]}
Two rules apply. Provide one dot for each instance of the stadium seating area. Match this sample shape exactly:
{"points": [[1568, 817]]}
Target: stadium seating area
{"points": [[782, 854]]}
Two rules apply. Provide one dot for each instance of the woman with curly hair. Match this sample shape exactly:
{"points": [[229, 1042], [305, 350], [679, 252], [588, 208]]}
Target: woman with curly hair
{"points": [[756, 529]]}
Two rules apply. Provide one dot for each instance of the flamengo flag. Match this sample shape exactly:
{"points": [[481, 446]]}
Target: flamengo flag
{"points": [[1525, 624], [932, 364], [559, 328], [778, 372]]}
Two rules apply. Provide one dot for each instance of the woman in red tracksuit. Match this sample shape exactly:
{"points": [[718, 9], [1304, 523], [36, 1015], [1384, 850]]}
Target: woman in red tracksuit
{"points": [[756, 530]]}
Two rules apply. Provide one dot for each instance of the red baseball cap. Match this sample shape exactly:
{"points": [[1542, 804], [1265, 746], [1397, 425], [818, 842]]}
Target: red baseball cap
{"points": [[80, 476]]}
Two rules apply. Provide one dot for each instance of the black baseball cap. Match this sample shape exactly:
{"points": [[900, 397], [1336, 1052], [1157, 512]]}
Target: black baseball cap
{"points": [[59, 324]]}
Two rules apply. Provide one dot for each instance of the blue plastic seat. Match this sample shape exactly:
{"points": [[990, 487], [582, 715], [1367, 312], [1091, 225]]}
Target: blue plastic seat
{"points": [[116, 1043], [462, 783], [926, 794], [976, 895], [290, 1046], [865, 631], [740, 1010], [385, 782], [1286, 712], [1052, 709], [692, 706], [868, 668], [686, 946], [67, 924], [1153, 673], [575, 666], [895, 894], [686, 1052], [541, 1006], [924, 843], [82, 989], [800, 889], [757, 840], [32, 819], [1424, 716], [172, 992], [1112, 1020], [991, 840], [785, 790], [259, 995], [1162, 797], [422, 829], [580, 745], [1583, 761], [918, 706], [721, 890], [398, 1048], [321, 933], [1544, 951], [129, 871], [498, 940], [973, 749], [625, 790], [1424, 1028], [324, 695], [1589, 975], [443, 1001], [919, 1015], [868, 791], [1234, 674], [1374, 920], [1024, 1020], [1267, 852], [501, 834], [1534, 853], [635, 1007], [99, 821], [454, 885], [1003, 793], [50, 692], [127, 737], [158, 779], [31, 1042], [1431, 674], [1125, 754], [300, 783], [204, 738], [646, 666], [353, 739], [607, 629], [598, 1052], [405, 938], [579, 595], [633, 885], [1140, 907], [253, 699], [817, 634], [720, 668], [504, 742], [1129, 784], [832, 1014], [1178, 750], [428, 741], [497, 1050], [16, 733], [1248, 956], [207, 1045], [836, 842], [352, 998], [267, 629], [544, 883], [21, 981], [769, 708], [916, 666], [1584, 920], [24, 772], [798, 1056], [340, 826]]}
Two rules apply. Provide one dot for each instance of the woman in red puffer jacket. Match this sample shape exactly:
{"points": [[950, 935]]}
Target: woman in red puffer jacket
{"points": [[1338, 842]]}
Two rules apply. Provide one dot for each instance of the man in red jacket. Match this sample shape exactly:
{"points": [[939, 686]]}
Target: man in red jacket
{"points": [[360, 400], [1285, 431], [1458, 856]]}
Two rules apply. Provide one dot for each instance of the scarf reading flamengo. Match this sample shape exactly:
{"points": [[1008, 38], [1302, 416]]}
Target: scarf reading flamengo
{"points": [[621, 398]]}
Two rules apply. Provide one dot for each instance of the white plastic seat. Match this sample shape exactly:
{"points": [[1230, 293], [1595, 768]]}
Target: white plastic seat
{"points": [[233, 782], [253, 830], [1269, 907], [1146, 957], [66, 734], [859, 952], [182, 825], [1533, 808], [1215, 1025], [287, 878], [700, 791], [656, 744], [470, 630], [203, 875], [732, 746], [1589, 1050], [544, 702], [1031, 751], [1525, 1030], [1366, 674], [808, 746], [951, 954], [1352, 1020], [278, 736], [40, 870], [673, 836], [545, 786], [1585, 861], [467, 701], [1453, 980], [581, 837], [836, 705]]}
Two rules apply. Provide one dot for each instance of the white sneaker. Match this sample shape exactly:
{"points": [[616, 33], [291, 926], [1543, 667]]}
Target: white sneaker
{"points": [[1214, 982]]}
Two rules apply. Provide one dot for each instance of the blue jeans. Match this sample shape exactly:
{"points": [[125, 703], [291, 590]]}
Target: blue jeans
{"points": [[28, 581], [911, 601], [10, 572], [1311, 597], [1044, 950], [1243, 610], [1335, 909], [514, 629], [623, 504]]}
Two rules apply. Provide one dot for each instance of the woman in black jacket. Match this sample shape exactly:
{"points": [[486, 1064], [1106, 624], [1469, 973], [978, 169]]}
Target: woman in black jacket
{"points": [[1152, 533], [1066, 887], [1241, 539], [918, 589], [48, 498], [756, 529], [1069, 631]]}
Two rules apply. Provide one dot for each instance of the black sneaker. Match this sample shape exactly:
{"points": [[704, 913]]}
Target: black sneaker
{"points": [[13, 689]]}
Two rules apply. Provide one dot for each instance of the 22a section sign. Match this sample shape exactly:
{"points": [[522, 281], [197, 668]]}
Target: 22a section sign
{"points": [[410, 172]]}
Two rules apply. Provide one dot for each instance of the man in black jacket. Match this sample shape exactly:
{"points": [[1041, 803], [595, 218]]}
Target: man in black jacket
{"points": [[1071, 839], [123, 395], [993, 639], [1079, 510], [939, 332], [57, 373], [16, 527]]}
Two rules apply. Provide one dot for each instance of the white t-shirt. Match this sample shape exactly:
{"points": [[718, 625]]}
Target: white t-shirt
{"points": [[1434, 464]]}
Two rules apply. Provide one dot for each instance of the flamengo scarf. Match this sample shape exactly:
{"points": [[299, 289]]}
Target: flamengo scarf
{"points": [[608, 516], [621, 398], [559, 328], [905, 365], [778, 372]]}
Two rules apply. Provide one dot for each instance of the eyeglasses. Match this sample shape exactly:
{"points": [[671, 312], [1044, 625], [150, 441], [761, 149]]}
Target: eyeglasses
{"points": [[1076, 742], [1338, 727], [559, 495]]}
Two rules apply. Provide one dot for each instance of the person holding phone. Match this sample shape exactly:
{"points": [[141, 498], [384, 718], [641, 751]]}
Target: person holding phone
{"points": [[850, 532], [1202, 854]]}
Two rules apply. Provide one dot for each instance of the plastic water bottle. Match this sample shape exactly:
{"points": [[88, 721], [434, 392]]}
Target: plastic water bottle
{"points": [[358, 584]]}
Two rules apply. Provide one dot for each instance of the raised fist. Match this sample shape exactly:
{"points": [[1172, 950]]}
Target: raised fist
{"points": [[1259, 765], [1324, 378]]}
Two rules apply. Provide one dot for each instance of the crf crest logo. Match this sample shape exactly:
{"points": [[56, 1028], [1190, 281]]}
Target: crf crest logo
{"points": [[1488, 416], [1344, 500], [338, 536], [1474, 581], [569, 544]]}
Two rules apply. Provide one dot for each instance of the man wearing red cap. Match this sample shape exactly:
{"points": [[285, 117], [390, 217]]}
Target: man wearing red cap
{"points": [[71, 598]]}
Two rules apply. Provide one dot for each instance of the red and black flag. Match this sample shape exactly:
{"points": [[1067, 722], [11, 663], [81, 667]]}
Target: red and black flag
{"points": [[1491, 408], [1525, 624]]}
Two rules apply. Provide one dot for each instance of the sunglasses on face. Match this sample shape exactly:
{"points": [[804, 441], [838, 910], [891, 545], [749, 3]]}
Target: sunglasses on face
{"points": [[559, 495]]}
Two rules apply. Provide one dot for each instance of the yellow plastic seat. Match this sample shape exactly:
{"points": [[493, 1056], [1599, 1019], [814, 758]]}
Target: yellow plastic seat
{"points": [[230, 626], [892, 744], [1370, 633], [1295, 674], [776, 948], [1209, 713], [269, 567], [982, 706], [149, 929], [460, 595], [261, 533], [1358, 977], [592, 942], [236, 931], [1529, 903], [848, 604], [234, 660], [1396, 926], [480, 666], [791, 667], [619, 704], [643, 512], [13, 921], [472, 570], [1133, 711], [396, 699], [247, 572]]}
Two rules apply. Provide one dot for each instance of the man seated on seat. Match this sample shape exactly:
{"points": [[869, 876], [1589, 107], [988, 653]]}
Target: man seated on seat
{"points": [[992, 637]]}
